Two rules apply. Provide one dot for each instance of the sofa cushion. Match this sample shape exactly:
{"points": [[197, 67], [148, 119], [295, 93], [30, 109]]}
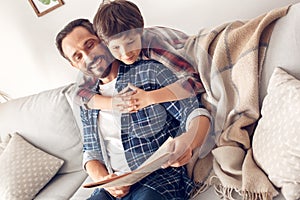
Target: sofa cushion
{"points": [[276, 138], [46, 120], [25, 169], [83, 193], [63, 186]]}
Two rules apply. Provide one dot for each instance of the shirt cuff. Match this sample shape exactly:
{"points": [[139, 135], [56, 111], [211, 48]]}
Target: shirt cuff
{"points": [[91, 155], [195, 113]]}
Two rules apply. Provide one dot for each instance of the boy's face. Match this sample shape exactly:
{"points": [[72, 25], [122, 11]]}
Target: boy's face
{"points": [[86, 53], [127, 47]]}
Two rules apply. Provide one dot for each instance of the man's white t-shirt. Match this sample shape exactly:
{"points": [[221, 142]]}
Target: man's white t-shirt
{"points": [[110, 129]]}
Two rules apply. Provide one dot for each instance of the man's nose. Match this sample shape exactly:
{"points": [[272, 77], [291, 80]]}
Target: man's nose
{"points": [[88, 57]]}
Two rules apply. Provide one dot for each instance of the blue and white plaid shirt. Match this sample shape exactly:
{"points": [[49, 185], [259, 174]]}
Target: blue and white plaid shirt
{"points": [[143, 132]]}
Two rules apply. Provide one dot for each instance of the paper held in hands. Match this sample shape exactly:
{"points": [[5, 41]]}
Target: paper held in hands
{"points": [[153, 163]]}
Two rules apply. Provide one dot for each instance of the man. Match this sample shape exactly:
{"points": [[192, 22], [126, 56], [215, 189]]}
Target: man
{"points": [[115, 143]]}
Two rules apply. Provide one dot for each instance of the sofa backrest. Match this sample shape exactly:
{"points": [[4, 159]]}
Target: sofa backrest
{"points": [[47, 121], [284, 48]]}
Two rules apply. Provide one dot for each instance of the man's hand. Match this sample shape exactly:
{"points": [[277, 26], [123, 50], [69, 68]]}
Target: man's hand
{"points": [[183, 145], [117, 192], [182, 151]]}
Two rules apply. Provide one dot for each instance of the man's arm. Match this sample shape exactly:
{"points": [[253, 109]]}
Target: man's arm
{"points": [[186, 144], [189, 113], [96, 170]]}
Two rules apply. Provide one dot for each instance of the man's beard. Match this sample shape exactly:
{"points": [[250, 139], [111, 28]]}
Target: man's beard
{"points": [[98, 71], [106, 71]]}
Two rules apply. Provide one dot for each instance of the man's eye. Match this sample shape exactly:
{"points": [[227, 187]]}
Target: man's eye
{"points": [[78, 57], [115, 47], [90, 44]]}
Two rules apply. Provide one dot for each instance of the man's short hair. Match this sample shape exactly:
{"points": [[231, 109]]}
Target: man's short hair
{"points": [[85, 23]]}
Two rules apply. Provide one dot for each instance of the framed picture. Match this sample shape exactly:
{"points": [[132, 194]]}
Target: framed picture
{"points": [[42, 7]]}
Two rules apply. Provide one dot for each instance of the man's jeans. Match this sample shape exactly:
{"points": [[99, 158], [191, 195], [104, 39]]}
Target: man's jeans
{"points": [[137, 192]]}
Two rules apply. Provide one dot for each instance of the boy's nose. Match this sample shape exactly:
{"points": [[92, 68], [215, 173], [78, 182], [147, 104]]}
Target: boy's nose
{"points": [[125, 51]]}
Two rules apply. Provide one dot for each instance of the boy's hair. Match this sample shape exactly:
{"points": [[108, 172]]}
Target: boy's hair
{"points": [[85, 23], [114, 17]]}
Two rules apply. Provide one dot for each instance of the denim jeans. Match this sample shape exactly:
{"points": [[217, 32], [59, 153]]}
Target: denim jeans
{"points": [[137, 192]]}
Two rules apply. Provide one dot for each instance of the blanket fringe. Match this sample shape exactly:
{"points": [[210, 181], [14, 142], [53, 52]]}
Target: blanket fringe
{"points": [[229, 193], [256, 196], [224, 192], [200, 188]]}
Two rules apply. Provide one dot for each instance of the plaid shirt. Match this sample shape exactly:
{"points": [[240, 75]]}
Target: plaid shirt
{"points": [[164, 45], [145, 131]]}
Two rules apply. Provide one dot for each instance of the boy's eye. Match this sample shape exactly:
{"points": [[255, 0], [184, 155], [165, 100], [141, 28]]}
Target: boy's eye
{"points": [[130, 42], [115, 47]]}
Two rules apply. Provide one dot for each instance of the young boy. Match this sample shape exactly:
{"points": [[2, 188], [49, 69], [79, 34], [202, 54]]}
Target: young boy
{"points": [[119, 16], [120, 25]]}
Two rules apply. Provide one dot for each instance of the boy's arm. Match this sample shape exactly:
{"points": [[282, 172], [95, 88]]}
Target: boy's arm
{"points": [[138, 99], [172, 92], [87, 96], [100, 102]]}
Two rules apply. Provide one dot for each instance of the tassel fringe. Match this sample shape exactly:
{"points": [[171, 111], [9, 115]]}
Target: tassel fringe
{"points": [[235, 194]]}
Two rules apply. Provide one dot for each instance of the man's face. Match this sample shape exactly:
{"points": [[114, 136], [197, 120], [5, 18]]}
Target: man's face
{"points": [[126, 47], [86, 53]]}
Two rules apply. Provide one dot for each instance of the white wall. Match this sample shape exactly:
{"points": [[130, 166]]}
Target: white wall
{"points": [[31, 62]]}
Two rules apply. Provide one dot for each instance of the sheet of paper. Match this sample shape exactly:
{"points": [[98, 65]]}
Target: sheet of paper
{"points": [[153, 163]]}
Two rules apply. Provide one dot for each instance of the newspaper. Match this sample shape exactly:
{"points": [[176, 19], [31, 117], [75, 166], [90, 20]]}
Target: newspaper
{"points": [[153, 163]]}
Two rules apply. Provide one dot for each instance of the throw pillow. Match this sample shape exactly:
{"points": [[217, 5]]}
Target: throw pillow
{"points": [[276, 138], [25, 169]]}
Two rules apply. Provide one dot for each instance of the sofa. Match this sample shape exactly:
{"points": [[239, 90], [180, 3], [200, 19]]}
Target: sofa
{"points": [[41, 139]]}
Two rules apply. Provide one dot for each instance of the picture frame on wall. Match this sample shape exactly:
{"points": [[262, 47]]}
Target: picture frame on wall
{"points": [[42, 7]]}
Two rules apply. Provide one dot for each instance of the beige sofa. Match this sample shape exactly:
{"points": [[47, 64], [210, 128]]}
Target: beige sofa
{"points": [[51, 123]]}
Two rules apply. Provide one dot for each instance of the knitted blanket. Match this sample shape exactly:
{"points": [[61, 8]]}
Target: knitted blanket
{"points": [[230, 59]]}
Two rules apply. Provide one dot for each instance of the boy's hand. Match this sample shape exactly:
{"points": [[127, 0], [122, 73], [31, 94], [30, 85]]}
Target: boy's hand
{"points": [[117, 192], [133, 99]]}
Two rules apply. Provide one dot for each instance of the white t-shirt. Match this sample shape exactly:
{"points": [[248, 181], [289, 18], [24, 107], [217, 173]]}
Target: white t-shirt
{"points": [[110, 128]]}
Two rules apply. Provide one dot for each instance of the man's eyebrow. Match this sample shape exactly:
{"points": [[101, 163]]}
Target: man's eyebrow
{"points": [[90, 39]]}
